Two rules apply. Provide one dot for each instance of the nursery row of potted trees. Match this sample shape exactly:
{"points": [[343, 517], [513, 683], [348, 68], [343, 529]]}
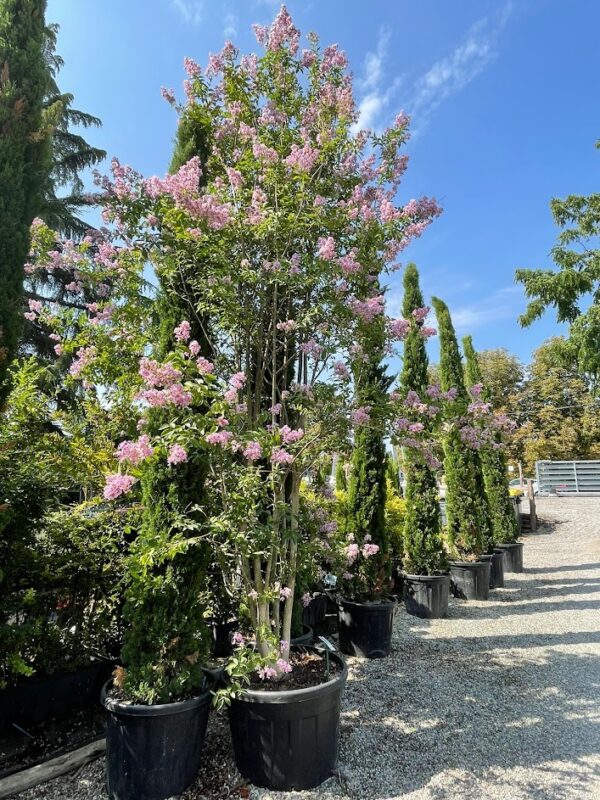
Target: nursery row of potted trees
{"points": [[262, 353]]}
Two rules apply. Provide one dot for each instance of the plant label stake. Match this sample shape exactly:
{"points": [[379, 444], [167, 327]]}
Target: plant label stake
{"points": [[329, 648]]}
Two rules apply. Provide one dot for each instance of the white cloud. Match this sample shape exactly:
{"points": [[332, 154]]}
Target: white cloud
{"points": [[452, 73], [375, 98], [230, 30], [488, 310], [190, 10]]}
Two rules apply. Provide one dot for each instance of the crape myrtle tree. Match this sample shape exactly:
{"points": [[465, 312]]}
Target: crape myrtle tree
{"points": [[469, 527], [423, 550], [24, 158], [493, 461], [295, 211]]}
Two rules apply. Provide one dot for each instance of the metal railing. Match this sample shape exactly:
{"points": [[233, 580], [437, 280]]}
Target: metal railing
{"points": [[568, 477]]}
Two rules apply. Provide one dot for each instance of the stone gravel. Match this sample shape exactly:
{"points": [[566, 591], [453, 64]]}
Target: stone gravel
{"points": [[500, 701]]}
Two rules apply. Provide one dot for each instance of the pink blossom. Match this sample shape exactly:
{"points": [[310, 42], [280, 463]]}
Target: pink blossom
{"points": [[311, 348], [283, 665], [328, 527], [416, 427], [275, 409], [205, 367], [326, 248], [399, 328], [182, 331], [194, 348], [476, 389], [220, 438], [427, 332], [83, 358], [420, 314], [116, 485], [35, 305], [281, 456], [352, 553], [58, 349], [222, 422], [134, 452], [177, 455], [237, 380], [369, 549], [288, 326], [168, 95], [306, 599], [261, 152], [30, 315], [285, 592], [302, 158], [235, 177], [253, 451], [238, 639], [368, 309], [192, 67], [266, 673], [290, 436], [362, 416], [341, 370], [155, 374], [349, 264]]}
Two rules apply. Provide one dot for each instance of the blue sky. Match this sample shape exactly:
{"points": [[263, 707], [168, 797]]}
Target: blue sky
{"points": [[502, 96]]}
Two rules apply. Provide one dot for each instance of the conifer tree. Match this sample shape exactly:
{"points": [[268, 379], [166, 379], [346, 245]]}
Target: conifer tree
{"points": [[423, 551], [466, 503], [367, 483], [504, 524], [24, 158]]}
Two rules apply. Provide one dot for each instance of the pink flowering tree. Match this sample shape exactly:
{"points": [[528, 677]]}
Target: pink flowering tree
{"points": [[284, 231]]}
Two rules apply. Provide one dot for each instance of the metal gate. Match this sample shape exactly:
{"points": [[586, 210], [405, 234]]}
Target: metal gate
{"points": [[568, 477]]}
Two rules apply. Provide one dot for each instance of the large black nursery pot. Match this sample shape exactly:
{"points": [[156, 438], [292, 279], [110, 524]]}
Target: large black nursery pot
{"points": [[305, 638], [427, 596], [153, 752], [513, 556], [366, 628], [496, 560], [471, 579], [287, 740], [37, 700]]}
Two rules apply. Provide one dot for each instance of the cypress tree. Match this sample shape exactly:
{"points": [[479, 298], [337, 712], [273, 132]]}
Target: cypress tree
{"points": [[466, 503], [24, 158], [341, 482], [166, 637], [504, 524], [423, 550], [367, 483]]}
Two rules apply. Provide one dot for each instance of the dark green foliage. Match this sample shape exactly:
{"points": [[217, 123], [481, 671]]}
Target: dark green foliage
{"points": [[503, 522], [24, 157], [423, 550], [466, 503], [392, 471], [367, 484], [166, 639], [577, 256]]}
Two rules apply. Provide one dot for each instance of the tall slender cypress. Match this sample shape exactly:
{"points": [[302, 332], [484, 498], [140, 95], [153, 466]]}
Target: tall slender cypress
{"points": [[367, 483], [504, 524], [24, 158], [466, 502], [423, 550]]}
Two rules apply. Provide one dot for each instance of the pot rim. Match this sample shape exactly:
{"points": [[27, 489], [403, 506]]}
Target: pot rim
{"points": [[465, 564], [156, 710], [371, 604], [443, 577], [506, 545], [297, 695]]}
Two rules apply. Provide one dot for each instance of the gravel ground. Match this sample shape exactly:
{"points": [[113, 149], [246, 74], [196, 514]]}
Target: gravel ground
{"points": [[500, 701]]}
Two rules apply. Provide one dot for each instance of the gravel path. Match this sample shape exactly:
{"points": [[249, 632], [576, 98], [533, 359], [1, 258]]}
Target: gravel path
{"points": [[501, 701]]}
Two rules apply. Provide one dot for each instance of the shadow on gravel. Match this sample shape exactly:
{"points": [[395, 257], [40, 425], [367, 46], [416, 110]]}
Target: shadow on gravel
{"points": [[459, 704], [549, 570]]}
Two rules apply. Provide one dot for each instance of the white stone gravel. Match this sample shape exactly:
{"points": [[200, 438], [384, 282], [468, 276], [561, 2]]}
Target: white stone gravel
{"points": [[500, 701]]}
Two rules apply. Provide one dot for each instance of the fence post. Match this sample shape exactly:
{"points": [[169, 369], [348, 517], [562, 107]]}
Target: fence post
{"points": [[532, 513]]}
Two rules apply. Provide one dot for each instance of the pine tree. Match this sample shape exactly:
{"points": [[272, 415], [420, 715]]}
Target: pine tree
{"points": [[367, 483], [466, 502], [504, 524], [24, 158], [423, 550]]}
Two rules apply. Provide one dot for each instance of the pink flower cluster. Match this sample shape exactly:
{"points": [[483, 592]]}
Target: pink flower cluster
{"points": [[361, 415], [134, 452], [117, 485], [253, 451], [281, 456], [289, 435], [83, 358], [177, 455], [368, 309], [183, 331], [220, 438]]}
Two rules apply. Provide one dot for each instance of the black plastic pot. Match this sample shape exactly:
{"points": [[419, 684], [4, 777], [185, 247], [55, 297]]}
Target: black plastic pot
{"points": [[221, 631], [513, 556], [496, 560], [153, 752], [471, 579], [306, 638], [427, 595], [366, 628], [315, 611], [289, 739], [40, 699]]}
